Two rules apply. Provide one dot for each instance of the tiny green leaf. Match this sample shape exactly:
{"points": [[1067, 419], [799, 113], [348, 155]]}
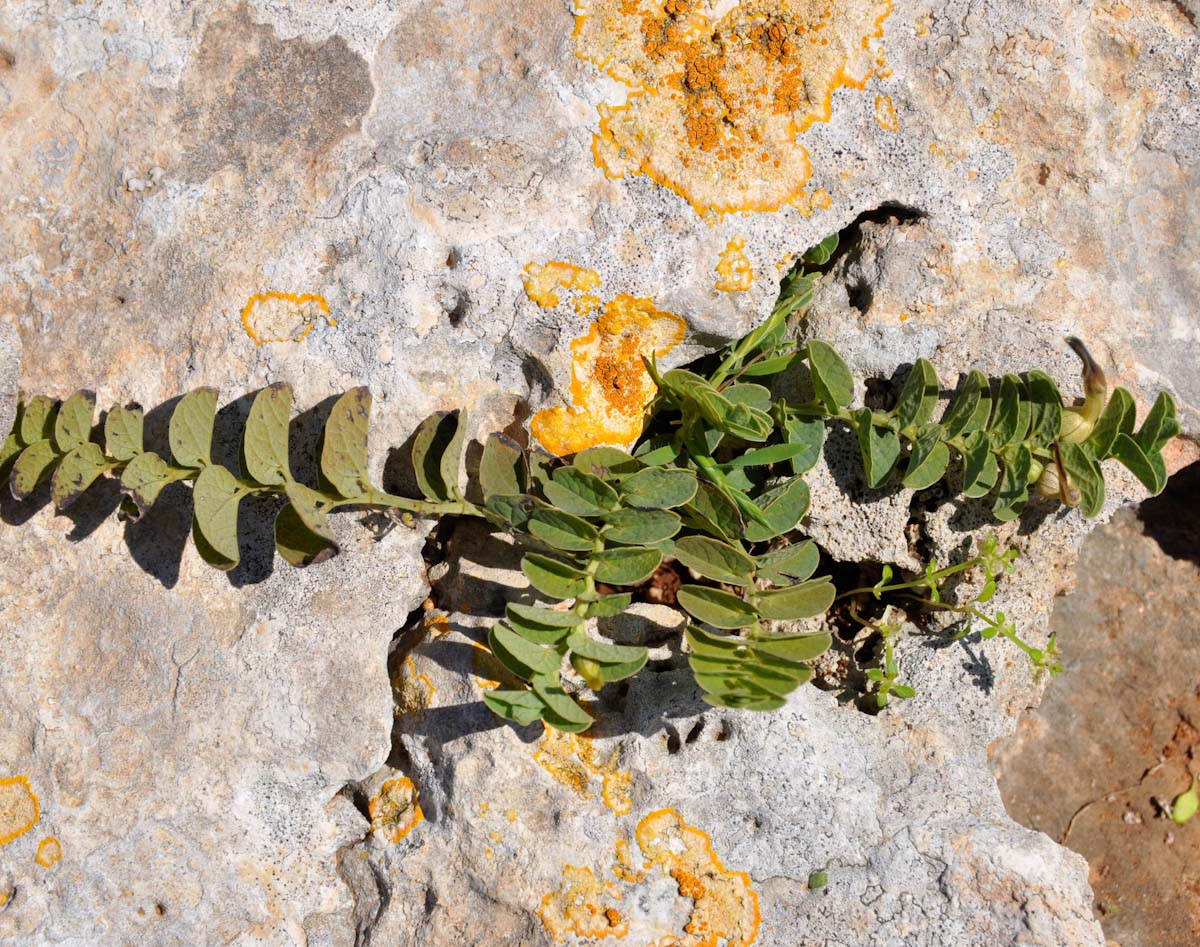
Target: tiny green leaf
{"points": [[640, 527], [522, 657], [929, 458], [798, 562], [716, 608], [561, 712], [576, 491], [656, 488], [344, 444], [75, 473], [36, 422], [1011, 418], [796, 648], [265, 445], [1148, 468], [541, 625], [1014, 484], [552, 577], [627, 566], [562, 530], [1118, 418], [918, 397], [808, 433], [608, 605], [716, 560], [969, 410], [716, 512], [880, 448], [144, 478], [436, 452], [1045, 408], [215, 499], [123, 432], [191, 428], [803, 600], [502, 467], [302, 533], [73, 425], [35, 463], [604, 652], [783, 506], [980, 468], [831, 378], [522, 707]]}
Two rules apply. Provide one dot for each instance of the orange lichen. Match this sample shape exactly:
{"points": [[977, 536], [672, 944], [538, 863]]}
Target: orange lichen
{"points": [[19, 810], [610, 386], [885, 113], [283, 317], [49, 852], [396, 811], [734, 274], [584, 906], [716, 102], [413, 691], [543, 279], [624, 867], [571, 759], [586, 304], [725, 909]]}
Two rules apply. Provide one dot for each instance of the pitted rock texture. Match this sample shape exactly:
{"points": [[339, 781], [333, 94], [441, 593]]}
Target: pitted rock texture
{"points": [[187, 734]]}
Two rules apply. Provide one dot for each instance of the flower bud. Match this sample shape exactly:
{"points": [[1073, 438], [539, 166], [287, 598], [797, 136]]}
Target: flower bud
{"points": [[1078, 422], [1054, 482]]}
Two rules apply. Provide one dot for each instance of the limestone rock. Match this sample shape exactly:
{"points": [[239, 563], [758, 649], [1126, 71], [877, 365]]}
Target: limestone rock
{"points": [[237, 194]]}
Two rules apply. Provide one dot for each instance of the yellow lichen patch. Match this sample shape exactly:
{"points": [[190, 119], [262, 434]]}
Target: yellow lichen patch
{"points": [[610, 386], [413, 691], [586, 304], [543, 279], [734, 274], [885, 113], [725, 909], [625, 867], [717, 100], [584, 906], [19, 811], [49, 852], [396, 811], [571, 759], [283, 317]]}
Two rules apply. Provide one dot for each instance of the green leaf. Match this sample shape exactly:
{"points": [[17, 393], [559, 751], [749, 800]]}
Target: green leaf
{"points": [[716, 512], [577, 491], [302, 533], [502, 467], [658, 450], [522, 707], [144, 478], [751, 395], [561, 711], [1045, 408], [918, 397], [1014, 484], [1011, 418], [562, 530], [598, 674], [73, 425], [552, 577], [795, 648], [903, 690], [512, 511], [608, 605], [524, 658], [76, 472], [880, 448], [344, 445], [123, 432], [1118, 418], [265, 444], [1149, 469], [929, 459], [763, 456], [820, 254], [716, 608], [745, 701], [215, 500], [716, 560], [795, 602], [776, 365], [656, 488], [626, 566], [722, 647], [9, 451], [747, 423], [36, 421], [1160, 425], [980, 469], [798, 561], [606, 462], [35, 463], [640, 527], [436, 454], [605, 652], [783, 506], [1085, 474], [541, 625], [808, 433], [832, 381], [191, 428], [970, 409]]}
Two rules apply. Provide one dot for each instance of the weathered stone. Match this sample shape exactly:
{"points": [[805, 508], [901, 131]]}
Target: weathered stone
{"points": [[370, 186]]}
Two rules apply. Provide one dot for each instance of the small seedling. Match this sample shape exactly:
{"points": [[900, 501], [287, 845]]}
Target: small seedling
{"points": [[715, 484]]}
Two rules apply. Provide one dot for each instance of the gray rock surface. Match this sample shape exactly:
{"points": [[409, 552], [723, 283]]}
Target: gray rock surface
{"points": [[389, 172]]}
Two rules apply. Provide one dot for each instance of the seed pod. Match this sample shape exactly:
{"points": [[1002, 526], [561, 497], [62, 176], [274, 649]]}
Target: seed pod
{"points": [[1054, 482], [1078, 422]]}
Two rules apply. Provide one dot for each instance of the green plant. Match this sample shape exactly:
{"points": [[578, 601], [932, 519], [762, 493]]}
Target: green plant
{"points": [[715, 484]]}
